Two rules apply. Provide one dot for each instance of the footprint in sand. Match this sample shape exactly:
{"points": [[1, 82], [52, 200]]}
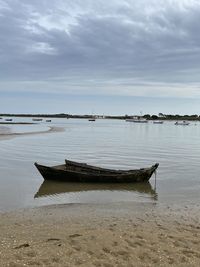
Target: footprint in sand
{"points": [[25, 245], [130, 243], [106, 250], [74, 235], [53, 239], [31, 254]]}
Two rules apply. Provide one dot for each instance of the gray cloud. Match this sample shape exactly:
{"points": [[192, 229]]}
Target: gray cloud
{"points": [[124, 46]]}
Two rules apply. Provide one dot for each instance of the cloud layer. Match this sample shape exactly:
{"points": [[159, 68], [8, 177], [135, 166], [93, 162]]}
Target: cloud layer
{"points": [[123, 47]]}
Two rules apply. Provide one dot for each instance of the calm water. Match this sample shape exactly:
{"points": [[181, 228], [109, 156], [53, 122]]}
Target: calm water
{"points": [[106, 143]]}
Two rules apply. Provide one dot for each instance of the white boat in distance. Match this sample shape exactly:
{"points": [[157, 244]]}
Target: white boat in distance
{"points": [[182, 123], [137, 120]]}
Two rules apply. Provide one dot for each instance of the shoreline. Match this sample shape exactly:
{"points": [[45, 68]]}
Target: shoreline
{"points": [[119, 234]]}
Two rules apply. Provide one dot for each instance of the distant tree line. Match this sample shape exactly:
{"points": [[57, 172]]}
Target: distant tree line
{"points": [[60, 115], [171, 117], [160, 116]]}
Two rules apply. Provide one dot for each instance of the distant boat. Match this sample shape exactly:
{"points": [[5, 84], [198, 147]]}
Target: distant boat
{"points": [[92, 119], [36, 119], [137, 120], [80, 172], [8, 119], [48, 120], [158, 122], [182, 123]]}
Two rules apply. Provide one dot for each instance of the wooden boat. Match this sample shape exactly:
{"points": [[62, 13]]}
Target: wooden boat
{"points": [[81, 172]]}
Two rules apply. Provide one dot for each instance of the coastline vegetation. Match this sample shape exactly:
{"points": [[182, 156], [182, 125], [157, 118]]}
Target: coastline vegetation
{"points": [[160, 116]]}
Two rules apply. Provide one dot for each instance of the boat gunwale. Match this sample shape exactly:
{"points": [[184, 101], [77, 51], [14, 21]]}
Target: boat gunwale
{"points": [[85, 165]]}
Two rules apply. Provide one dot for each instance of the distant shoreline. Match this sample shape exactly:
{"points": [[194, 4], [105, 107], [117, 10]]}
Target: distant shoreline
{"points": [[97, 116]]}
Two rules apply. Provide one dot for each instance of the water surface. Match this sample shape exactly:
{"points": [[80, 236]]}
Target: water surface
{"points": [[105, 143]]}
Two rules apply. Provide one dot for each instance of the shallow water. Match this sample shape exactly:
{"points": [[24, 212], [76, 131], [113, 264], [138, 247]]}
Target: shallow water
{"points": [[106, 143]]}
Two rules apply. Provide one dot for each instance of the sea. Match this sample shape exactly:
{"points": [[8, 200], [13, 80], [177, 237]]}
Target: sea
{"points": [[106, 143]]}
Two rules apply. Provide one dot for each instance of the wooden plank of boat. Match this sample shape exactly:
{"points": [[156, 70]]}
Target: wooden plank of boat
{"points": [[80, 172], [84, 166]]}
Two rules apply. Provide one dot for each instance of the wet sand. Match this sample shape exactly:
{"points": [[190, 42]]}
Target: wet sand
{"points": [[7, 134], [120, 234]]}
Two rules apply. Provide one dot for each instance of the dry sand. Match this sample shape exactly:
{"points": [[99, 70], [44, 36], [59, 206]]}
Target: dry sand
{"points": [[120, 234]]}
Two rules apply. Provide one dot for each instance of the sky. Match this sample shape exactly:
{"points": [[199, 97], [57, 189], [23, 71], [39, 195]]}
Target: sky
{"points": [[104, 57]]}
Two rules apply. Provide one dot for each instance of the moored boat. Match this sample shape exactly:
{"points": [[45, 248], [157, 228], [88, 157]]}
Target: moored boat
{"points": [[92, 119], [36, 119], [137, 120], [182, 123], [81, 172], [158, 122]]}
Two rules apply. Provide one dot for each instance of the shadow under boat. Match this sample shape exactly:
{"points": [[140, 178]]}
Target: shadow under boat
{"points": [[50, 188]]}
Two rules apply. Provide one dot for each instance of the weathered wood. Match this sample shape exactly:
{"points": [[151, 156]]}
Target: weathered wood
{"points": [[81, 172]]}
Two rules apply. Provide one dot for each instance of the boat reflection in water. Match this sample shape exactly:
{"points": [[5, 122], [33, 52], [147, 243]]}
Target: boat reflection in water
{"points": [[53, 188]]}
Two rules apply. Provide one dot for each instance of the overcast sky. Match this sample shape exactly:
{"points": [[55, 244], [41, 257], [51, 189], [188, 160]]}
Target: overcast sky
{"points": [[116, 56]]}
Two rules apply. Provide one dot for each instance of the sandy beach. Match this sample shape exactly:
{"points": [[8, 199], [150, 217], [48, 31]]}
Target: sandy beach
{"points": [[120, 234]]}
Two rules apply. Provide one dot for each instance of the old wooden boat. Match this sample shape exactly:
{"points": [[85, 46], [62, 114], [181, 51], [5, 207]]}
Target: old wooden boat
{"points": [[81, 172]]}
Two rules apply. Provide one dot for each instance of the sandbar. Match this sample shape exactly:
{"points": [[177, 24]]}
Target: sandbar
{"points": [[8, 135]]}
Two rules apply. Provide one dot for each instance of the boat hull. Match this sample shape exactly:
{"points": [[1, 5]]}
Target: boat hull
{"points": [[63, 174], [158, 122], [182, 123]]}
